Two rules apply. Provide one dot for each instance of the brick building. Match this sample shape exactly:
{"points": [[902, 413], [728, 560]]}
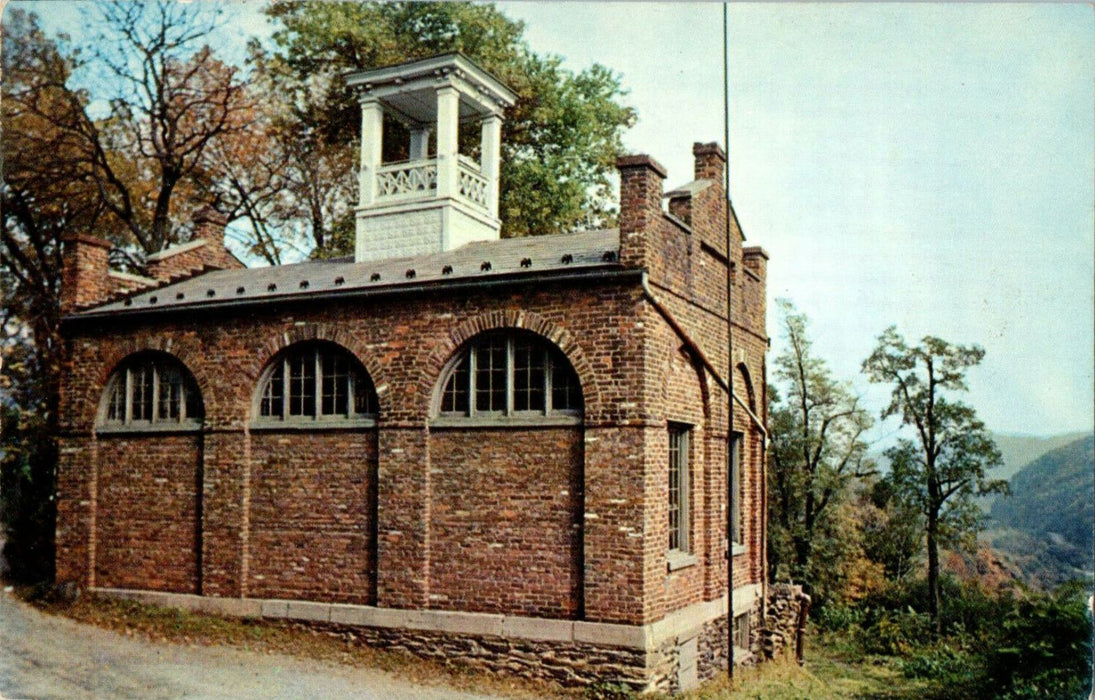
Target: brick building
{"points": [[461, 445]]}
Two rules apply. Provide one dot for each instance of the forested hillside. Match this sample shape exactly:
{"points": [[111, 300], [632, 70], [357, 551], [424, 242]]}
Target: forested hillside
{"points": [[1046, 522]]}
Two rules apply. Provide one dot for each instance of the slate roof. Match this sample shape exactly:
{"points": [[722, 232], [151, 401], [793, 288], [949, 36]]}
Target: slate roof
{"points": [[510, 258]]}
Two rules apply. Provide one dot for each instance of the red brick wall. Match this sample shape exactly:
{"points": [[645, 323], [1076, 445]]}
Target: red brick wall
{"points": [[505, 510], [268, 497], [313, 501], [147, 528]]}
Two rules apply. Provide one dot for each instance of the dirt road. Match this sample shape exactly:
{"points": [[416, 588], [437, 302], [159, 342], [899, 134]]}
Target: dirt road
{"points": [[50, 657]]}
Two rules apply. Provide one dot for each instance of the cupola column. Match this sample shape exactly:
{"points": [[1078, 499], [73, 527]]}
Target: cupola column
{"points": [[420, 144], [372, 142], [448, 141], [490, 159]]}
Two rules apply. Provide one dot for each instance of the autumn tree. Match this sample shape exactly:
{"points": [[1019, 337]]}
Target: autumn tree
{"points": [[943, 466], [293, 185], [559, 142], [817, 449], [44, 192], [110, 139]]}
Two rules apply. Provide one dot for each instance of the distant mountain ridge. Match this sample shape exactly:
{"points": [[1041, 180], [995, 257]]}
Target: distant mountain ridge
{"points": [[1048, 518], [1018, 451]]}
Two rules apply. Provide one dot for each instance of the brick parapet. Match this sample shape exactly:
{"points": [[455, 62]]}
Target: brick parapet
{"points": [[641, 179], [85, 265]]}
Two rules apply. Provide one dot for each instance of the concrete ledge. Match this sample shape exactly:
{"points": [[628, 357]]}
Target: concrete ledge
{"points": [[175, 250], [538, 629], [678, 624], [275, 608], [610, 635], [232, 607], [313, 612]]}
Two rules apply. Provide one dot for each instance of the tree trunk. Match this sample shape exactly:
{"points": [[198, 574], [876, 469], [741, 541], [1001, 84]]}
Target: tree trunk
{"points": [[933, 575], [803, 547]]}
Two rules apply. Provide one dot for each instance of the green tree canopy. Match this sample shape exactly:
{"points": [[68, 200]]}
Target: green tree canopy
{"points": [[817, 449], [940, 469], [559, 143]]}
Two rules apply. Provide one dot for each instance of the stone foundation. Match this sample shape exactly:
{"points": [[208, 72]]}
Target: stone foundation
{"points": [[668, 656]]}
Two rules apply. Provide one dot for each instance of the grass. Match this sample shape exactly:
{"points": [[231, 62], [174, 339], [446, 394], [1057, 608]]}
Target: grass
{"points": [[829, 674], [162, 624]]}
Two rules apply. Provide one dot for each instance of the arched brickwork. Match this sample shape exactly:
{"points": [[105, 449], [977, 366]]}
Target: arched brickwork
{"points": [[330, 333], [186, 353], [446, 346]]}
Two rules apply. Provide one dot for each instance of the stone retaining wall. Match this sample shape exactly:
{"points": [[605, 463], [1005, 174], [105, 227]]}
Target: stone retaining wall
{"points": [[781, 622]]}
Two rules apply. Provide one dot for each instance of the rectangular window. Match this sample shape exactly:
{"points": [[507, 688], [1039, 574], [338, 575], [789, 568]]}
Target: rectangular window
{"points": [[170, 396], [528, 377], [737, 445], [679, 479], [741, 631], [143, 378], [335, 383], [490, 376], [302, 384]]}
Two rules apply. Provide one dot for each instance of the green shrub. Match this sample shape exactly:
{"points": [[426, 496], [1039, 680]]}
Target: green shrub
{"points": [[839, 617], [1044, 650], [896, 633], [939, 662]]}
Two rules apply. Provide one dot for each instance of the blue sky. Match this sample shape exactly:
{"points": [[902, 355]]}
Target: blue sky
{"points": [[929, 166]]}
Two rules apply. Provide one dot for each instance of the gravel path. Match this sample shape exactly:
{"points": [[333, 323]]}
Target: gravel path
{"points": [[51, 657]]}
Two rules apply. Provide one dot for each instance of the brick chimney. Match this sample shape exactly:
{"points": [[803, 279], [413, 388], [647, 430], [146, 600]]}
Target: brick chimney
{"points": [[641, 179], [205, 251], [756, 260], [710, 161], [209, 225], [85, 269]]}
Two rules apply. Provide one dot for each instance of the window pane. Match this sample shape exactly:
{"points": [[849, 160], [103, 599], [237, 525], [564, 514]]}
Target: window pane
{"points": [[528, 377], [676, 491], [736, 447], [566, 395], [273, 403], [142, 392], [148, 389], [302, 384], [490, 375], [170, 395], [454, 399], [335, 384]]}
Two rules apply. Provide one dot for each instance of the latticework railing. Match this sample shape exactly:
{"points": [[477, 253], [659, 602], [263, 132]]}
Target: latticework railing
{"points": [[406, 179], [473, 186]]}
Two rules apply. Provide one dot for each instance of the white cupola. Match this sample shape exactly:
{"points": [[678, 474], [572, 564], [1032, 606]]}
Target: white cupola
{"points": [[436, 201]]}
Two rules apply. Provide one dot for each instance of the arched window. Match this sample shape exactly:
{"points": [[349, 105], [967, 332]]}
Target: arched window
{"points": [[315, 382], [510, 373], [151, 389]]}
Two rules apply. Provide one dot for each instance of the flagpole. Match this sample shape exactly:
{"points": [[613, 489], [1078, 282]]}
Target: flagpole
{"points": [[729, 348]]}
